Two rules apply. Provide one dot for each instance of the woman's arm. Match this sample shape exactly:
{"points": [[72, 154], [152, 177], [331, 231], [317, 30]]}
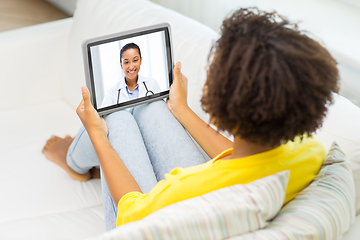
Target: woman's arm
{"points": [[114, 170], [212, 142]]}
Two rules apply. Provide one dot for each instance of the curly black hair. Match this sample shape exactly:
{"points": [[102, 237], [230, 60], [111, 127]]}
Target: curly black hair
{"points": [[267, 81]]}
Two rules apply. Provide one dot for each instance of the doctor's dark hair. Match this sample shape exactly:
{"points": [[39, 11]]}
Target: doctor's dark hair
{"points": [[127, 47], [267, 81]]}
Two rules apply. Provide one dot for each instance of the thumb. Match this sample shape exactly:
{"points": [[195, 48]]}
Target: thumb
{"points": [[177, 72], [86, 95]]}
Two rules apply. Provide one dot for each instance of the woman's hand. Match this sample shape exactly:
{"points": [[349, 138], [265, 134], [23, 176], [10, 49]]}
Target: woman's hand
{"points": [[91, 120], [118, 178], [177, 101]]}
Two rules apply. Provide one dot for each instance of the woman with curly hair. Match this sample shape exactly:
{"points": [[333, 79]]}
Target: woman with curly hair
{"points": [[268, 84]]}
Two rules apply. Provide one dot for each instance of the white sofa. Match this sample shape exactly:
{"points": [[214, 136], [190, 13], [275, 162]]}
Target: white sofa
{"points": [[41, 74]]}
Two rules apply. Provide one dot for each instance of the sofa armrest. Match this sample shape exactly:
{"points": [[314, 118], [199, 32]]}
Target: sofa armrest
{"points": [[32, 62]]}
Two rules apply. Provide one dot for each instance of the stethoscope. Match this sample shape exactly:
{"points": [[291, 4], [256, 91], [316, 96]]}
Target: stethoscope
{"points": [[148, 92]]}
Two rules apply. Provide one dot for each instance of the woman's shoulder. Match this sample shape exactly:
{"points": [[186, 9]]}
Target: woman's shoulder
{"points": [[308, 147]]}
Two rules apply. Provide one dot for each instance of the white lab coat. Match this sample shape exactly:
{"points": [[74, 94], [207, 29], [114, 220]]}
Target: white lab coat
{"points": [[111, 95]]}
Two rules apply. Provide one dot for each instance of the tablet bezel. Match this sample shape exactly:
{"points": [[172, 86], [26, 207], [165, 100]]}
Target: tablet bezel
{"points": [[89, 77]]}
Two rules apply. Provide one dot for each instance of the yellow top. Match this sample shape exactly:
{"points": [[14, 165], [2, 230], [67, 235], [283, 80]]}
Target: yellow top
{"points": [[303, 159]]}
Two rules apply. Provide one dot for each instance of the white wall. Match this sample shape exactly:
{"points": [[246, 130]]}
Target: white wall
{"points": [[208, 12], [355, 3], [334, 23]]}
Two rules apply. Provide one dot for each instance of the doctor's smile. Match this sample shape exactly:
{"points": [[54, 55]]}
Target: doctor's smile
{"points": [[130, 63], [133, 85]]}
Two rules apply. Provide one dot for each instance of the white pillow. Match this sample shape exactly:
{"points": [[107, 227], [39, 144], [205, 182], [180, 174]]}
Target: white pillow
{"points": [[191, 40], [220, 214], [342, 124], [323, 210]]}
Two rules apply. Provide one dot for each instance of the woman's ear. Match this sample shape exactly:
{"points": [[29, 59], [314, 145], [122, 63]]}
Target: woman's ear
{"points": [[121, 65]]}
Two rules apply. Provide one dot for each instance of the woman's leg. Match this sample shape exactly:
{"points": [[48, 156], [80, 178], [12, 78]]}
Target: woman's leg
{"points": [[126, 139], [56, 149], [110, 208], [81, 156], [167, 142]]}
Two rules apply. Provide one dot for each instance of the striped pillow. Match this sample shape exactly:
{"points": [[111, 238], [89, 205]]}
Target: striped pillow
{"points": [[323, 210], [220, 214]]}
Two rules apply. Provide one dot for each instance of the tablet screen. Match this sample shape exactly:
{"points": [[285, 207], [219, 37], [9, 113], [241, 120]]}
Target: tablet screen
{"points": [[127, 69]]}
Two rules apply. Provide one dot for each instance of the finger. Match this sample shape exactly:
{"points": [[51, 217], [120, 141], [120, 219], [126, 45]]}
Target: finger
{"points": [[86, 96]]}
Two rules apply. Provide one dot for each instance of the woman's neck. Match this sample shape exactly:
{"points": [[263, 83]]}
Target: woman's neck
{"points": [[131, 83], [243, 148]]}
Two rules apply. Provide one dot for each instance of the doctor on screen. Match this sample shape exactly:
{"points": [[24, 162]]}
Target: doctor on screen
{"points": [[133, 85]]}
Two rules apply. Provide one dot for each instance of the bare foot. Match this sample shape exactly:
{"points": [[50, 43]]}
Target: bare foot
{"points": [[56, 149]]}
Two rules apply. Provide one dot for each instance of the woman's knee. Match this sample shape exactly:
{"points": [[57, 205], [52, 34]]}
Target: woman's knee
{"points": [[116, 118], [150, 110]]}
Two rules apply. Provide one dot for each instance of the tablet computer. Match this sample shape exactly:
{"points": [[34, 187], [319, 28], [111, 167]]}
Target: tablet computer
{"points": [[129, 68]]}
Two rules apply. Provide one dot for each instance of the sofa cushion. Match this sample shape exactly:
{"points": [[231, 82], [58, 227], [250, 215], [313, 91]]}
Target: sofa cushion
{"points": [[75, 224], [220, 214], [191, 40], [323, 210], [342, 125], [39, 200]]}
